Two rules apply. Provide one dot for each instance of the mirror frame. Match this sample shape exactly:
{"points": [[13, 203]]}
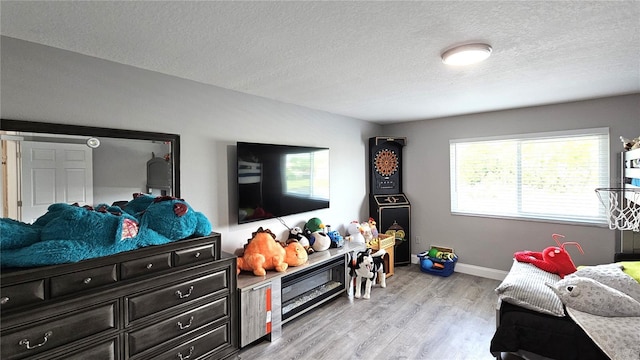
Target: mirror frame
{"points": [[63, 129]]}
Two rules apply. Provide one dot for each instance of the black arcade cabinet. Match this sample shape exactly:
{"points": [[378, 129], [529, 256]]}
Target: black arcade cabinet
{"points": [[388, 206]]}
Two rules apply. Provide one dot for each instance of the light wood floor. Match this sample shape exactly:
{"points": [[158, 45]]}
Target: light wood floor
{"points": [[417, 316]]}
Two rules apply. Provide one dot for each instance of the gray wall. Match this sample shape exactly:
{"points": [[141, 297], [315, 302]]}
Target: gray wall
{"points": [[120, 168], [489, 242], [41, 83]]}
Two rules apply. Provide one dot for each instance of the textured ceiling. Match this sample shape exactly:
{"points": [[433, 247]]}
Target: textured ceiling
{"points": [[377, 61]]}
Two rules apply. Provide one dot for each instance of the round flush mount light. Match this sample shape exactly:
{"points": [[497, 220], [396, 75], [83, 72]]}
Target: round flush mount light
{"points": [[466, 54], [93, 142]]}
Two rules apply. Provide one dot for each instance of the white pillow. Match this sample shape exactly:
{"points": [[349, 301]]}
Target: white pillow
{"points": [[525, 286]]}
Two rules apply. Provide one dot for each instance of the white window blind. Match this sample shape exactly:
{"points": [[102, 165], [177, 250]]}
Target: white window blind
{"points": [[544, 176]]}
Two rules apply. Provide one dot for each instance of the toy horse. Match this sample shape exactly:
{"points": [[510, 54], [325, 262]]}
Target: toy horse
{"points": [[554, 259]]}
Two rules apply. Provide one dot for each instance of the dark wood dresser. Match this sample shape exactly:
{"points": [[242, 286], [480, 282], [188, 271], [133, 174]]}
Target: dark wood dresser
{"points": [[173, 301]]}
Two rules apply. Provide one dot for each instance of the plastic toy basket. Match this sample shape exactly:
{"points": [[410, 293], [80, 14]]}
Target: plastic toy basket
{"points": [[448, 265]]}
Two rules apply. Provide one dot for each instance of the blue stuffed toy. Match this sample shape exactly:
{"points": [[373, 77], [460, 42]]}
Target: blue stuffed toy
{"points": [[70, 233]]}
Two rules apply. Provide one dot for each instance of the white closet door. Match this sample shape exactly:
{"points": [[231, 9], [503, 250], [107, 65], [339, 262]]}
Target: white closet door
{"points": [[53, 173]]}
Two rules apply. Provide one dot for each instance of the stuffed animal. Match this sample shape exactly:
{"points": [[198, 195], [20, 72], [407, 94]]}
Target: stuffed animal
{"points": [[295, 254], [353, 229], [313, 230], [591, 296], [262, 253], [365, 230], [296, 234], [139, 204], [70, 233], [368, 267], [320, 241], [554, 259], [374, 229], [630, 144], [311, 226], [16, 234]]}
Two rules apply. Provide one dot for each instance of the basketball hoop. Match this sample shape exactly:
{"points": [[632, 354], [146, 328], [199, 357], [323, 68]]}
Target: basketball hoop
{"points": [[622, 215]]}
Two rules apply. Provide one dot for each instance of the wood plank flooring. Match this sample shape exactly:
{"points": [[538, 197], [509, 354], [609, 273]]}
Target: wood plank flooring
{"points": [[417, 316]]}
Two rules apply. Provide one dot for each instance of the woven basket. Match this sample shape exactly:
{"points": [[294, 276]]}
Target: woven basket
{"points": [[384, 241]]}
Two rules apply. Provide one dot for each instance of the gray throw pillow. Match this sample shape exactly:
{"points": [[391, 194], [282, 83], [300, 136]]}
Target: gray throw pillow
{"points": [[612, 276], [525, 286]]}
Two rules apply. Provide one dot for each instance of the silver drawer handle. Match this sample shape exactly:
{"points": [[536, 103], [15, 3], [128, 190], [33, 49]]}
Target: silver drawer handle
{"points": [[182, 357], [149, 266], [87, 280], [182, 327], [180, 295], [197, 254], [25, 342], [4, 300]]}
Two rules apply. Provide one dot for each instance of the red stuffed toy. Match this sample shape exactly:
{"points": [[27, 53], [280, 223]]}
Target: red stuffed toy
{"points": [[554, 259]]}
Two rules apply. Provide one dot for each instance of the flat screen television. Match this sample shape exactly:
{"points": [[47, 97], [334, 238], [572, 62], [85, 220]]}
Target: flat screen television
{"points": [[278, 180]]}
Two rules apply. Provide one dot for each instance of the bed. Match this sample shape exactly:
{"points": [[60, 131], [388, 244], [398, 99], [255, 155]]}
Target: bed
{"points": [[532, 323]]}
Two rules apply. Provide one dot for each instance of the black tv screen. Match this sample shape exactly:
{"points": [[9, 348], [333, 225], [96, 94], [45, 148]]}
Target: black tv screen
{"points": [[278, 180]]}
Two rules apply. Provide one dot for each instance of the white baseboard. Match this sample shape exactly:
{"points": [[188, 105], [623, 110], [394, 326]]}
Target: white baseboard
{"points": [[484, 272], [475, 270]]}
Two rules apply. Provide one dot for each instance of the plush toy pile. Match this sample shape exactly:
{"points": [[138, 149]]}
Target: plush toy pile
{"points": [[70, 233]]}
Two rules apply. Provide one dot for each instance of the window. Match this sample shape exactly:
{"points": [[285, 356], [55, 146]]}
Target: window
{"points": [[547, 176], [307, 174]]}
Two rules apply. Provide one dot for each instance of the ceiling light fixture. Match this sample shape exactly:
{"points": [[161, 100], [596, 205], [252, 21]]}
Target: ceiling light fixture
{"points": [[93, 142], [466, 54]]}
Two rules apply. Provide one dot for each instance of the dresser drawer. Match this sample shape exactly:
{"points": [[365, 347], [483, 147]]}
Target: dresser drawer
{"points": [[145, 266], [83, 280], [34, 339], [178, 325], [194, 255], [199, 346], [104, 351], [21, 294], [172, 295]]}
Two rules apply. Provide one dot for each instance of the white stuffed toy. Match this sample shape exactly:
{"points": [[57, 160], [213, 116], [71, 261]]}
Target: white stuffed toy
{"points": [[320, 240], [366, 231], [353, 229]]}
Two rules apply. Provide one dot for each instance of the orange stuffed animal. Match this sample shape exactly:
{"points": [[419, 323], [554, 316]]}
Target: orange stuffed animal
{"points": [[296, 254], [262, 253]]}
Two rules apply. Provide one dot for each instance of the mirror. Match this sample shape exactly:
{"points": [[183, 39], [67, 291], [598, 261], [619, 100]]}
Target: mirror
{"points": [[47, 163]]}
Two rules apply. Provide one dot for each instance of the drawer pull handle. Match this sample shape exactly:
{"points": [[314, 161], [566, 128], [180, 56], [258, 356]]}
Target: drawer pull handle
{"points": [[25, 342], [183, 357], [180, 295], [4, 300], [182, 327], [261, 286], [87, 280], [197, 255], [149, 266]]}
